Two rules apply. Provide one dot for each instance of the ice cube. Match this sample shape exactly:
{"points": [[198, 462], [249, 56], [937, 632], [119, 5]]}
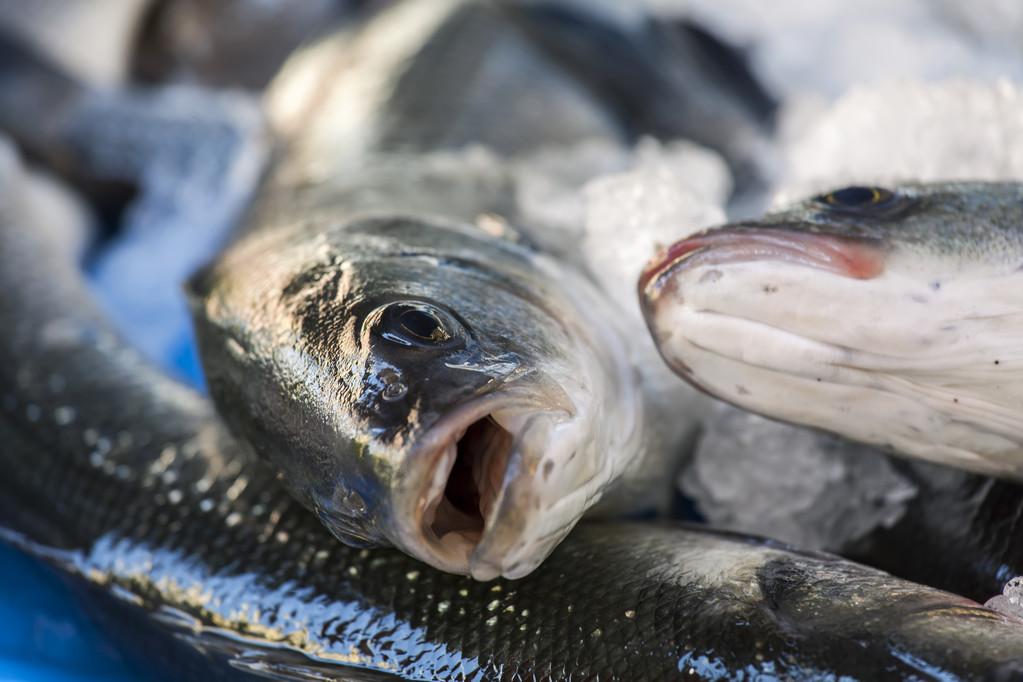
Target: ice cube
{"points": [[671, 192], [548, 188], [1010, 601], [803, 487], [910, 131], [823, 48]]}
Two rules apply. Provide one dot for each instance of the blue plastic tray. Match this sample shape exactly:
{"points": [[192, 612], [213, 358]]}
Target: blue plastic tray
{"points": [[45, 633]]}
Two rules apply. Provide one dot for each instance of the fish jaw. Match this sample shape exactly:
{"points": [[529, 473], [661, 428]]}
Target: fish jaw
{"points": [[838, 334], [858, 259], [490, 490]]}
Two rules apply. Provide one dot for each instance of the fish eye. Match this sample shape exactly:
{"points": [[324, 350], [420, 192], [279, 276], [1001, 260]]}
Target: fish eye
{"points": [[422, 325], [857, 198], [417, 324]]}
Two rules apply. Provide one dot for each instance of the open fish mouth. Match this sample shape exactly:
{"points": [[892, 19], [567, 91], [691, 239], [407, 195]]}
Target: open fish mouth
{"points": [[476, 489], [855, 258]]}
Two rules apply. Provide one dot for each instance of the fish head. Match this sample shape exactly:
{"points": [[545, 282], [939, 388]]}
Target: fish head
{"points": [[891, 316], [417, 384]]}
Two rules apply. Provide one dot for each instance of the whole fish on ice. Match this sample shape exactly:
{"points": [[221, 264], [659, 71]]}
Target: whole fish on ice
{"points": [[418, 374]]}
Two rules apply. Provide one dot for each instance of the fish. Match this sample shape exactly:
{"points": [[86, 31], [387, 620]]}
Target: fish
{"points": [[670, 76], [190, 549], [555, 378], [887, 315], [385, 331], [404, 407], [416, 380]]}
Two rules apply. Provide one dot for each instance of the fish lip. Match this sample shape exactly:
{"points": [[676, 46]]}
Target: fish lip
{"points": [[429, 472], [856, 258]]}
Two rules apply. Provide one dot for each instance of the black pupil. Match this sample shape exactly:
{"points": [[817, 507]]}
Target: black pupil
{"points": [[854, 196], [422, 325]]}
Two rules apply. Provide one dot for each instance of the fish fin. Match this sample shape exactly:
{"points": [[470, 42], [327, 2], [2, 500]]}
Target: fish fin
{"points": [[665, 78], [731, 66]]}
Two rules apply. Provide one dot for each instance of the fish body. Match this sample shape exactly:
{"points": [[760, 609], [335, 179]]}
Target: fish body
{"points": [[515, 77], [383, 333], [887, 315], [239, 43]]}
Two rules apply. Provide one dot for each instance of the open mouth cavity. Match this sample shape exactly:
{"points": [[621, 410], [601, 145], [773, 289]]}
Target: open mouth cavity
{"points": [[472, 459], [478, 459]]}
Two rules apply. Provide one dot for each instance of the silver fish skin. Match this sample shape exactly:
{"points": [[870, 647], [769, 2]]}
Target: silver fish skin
{"points": [[129, 484], [891, 316], [418, 376]]}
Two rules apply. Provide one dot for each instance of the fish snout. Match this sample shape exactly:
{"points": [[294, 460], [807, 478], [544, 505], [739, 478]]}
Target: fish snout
{"points": [[478, 489], [845, 256]]}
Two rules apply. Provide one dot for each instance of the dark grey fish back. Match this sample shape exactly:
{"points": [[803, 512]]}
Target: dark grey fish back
{"points": [[478, 80], [981, 517]]}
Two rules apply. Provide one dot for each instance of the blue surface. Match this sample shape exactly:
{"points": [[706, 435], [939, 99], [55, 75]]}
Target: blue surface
{"points": [[45, 633], [184, 360]]}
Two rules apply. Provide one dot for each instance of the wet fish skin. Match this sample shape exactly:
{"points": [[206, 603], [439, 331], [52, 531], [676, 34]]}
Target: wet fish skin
{"points": [[312, 309], [306, 351], [886, 315], [476, 452], [981, 518], [130, 484]]}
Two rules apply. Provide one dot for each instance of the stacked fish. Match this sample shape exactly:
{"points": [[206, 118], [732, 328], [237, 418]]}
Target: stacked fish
{"points": [[437, 441]]}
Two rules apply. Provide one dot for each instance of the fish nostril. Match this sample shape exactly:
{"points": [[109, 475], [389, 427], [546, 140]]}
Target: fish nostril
{"points": [[548, 467], [394, 391], [394, 387]]}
